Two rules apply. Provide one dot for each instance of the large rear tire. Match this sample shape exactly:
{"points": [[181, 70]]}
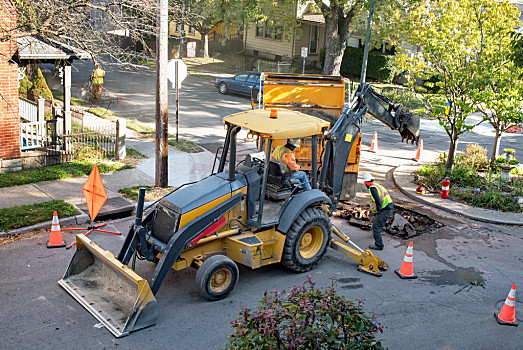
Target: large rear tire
{"points": [[307, 240], [217, 277]]}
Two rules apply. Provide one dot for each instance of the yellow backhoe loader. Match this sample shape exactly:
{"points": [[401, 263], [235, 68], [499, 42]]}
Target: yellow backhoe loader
{"points": [[323, 96], [226, 219]]}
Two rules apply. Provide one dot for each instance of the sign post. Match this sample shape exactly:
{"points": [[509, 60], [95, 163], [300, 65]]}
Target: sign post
{"points": [[176, 73], [304, 55]]}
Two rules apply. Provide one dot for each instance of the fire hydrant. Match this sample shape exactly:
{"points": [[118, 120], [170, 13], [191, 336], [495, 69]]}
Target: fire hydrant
{"points": [[445, 186]]}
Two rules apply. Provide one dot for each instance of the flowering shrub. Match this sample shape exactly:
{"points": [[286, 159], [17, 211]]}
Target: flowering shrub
{"points": [[305, 318]]}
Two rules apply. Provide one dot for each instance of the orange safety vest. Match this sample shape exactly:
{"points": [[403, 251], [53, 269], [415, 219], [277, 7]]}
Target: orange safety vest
{"points": [[279, 154], [98, 76], [384, 197]]}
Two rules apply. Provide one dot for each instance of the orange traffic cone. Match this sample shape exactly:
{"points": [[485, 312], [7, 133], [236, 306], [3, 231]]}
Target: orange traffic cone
{"points": [[420, 149], [374, 143], [507, 315], [407, 267], [55, 239]]}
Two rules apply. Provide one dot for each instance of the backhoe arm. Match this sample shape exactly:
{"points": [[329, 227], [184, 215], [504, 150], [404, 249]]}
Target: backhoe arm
{"points": [[395, 115]]}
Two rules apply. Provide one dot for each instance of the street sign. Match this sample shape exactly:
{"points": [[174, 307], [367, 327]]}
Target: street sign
{"points": [[171, 72], [304, 52]]}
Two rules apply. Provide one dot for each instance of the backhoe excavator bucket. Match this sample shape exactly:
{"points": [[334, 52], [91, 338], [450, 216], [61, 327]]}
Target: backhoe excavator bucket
{"points": [[112, 292]]}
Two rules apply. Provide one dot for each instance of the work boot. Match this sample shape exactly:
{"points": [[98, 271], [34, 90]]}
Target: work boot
{"points": [[375, 247]]}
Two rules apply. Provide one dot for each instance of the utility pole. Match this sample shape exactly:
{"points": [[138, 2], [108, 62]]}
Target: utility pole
{"points": [[161, 173], [363, 74], [182, 30]]}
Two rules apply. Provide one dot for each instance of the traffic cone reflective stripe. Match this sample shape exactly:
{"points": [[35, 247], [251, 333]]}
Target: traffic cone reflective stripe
{"points": [[374, 143], [55, 239], [420, 149], [507, 315], [407, 267]]}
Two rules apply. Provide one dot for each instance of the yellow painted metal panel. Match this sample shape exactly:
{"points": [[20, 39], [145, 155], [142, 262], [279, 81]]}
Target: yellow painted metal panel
{"points": [[288, 124]]}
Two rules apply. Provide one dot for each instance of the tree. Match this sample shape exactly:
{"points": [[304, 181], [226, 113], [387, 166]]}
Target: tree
{"points": [[96, 27], [203, 15], [498, 81], [99, 28], [345, 16], [517, 49], [454, 39], [39, 88]]}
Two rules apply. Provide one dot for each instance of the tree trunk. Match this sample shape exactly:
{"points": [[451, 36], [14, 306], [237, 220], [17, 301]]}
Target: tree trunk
{"points": [[495, 146], [452, 153], [206, 46], [336, 34]]}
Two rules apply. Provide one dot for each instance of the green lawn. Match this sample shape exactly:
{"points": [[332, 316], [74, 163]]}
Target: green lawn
{"points": [[27, 215], [75, 101]]}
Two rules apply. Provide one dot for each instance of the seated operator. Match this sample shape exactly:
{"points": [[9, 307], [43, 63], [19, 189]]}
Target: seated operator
{"points": [[284, 154]]}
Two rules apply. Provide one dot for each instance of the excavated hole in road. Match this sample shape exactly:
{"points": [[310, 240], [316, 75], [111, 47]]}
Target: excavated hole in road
{"points": [[404, 222]]}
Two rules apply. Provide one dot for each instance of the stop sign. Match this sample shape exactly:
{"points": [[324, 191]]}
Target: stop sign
{"points": [[171, 72]]}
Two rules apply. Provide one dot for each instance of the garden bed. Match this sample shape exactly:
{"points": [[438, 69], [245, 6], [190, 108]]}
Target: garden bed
{"points": [[474, 182]]}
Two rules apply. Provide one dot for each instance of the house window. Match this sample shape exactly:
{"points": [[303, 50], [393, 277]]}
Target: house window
{"points": [[178, 28], [192, 31], [313, 46], [260, 27], [265, 29], [278, 34], [268, 31]]}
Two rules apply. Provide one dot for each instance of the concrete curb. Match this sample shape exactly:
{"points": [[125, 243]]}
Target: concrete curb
{"points": [[401, 175]]}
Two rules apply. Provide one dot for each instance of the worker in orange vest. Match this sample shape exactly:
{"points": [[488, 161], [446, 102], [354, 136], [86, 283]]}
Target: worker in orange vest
{"points": [[285, 155], [97, 78]]}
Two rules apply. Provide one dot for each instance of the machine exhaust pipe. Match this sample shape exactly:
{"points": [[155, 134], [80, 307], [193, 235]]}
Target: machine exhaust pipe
{"points": [[232, 154]]}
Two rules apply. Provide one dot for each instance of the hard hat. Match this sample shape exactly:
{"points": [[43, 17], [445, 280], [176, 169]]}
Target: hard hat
{"points": [[294, 142], [367, 177]]}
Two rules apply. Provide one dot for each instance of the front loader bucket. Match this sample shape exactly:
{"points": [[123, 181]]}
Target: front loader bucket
{"points": [[112, 292]]}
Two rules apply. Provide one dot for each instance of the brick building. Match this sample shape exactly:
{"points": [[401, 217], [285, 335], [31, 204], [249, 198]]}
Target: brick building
{"points": [[9, 116]]}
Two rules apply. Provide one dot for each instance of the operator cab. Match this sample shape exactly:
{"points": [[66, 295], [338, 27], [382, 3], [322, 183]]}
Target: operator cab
{"points": [[269, 186]]}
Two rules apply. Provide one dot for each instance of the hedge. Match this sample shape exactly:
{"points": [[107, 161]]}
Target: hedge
{"points": [[380, 67]]}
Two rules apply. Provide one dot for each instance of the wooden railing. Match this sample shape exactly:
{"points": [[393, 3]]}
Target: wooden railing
{"points": [[31, 111]]}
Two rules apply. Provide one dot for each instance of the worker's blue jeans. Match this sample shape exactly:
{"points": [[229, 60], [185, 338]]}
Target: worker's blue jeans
{"points": [[379, 224], [300, 175]]}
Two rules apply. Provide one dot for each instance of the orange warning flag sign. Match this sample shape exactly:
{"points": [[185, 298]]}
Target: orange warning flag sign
{"points": [[94, 192]]}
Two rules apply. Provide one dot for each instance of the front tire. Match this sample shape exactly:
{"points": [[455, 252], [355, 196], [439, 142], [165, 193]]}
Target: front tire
{"points": [[217, 277], [307, 240], [223, 88]]}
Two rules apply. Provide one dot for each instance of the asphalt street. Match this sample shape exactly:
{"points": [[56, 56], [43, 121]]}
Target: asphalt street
{"points": [[465, 268], [465, 271]]}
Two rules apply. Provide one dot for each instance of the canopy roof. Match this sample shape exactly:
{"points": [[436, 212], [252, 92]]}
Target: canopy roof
{"points": [[288, 124], [44, 49]]}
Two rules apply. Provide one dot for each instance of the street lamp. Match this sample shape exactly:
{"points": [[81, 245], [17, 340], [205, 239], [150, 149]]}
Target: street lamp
{"points": [[367, 42]]}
